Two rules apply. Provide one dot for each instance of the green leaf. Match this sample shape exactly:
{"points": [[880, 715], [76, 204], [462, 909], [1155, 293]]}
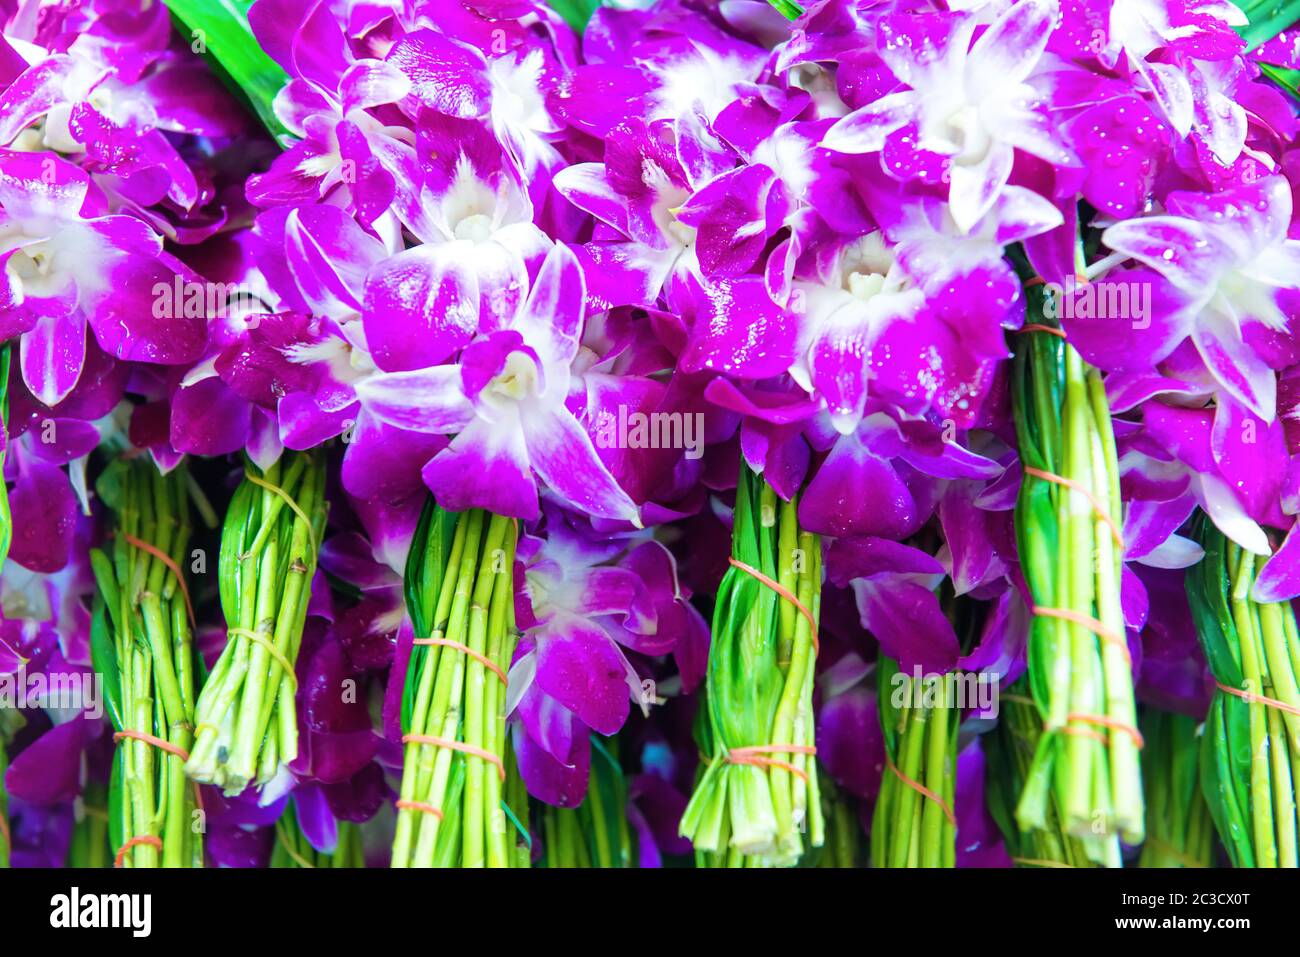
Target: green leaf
{"points": [[1288, 80], [1267, 19], [576, 13], [103, 658], [219, 30]]}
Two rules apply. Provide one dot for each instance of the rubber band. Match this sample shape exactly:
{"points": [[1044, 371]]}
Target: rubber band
{"points": [[167, 560], [1112, 723], [5, 832], [404, 805], [149, 839], [785, 593], [1098, 628], [481, 658], [1040, 862], [1250, 697], [288, 500], [264, 640], [922, 790], [457, 746], [1085, 733], [1097, 507], [160, 743], [1039, 327], [167, 746], [756, 755]]}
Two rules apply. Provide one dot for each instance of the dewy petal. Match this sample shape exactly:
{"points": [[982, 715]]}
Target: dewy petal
{"points": [[427, 400], [1226, 512], [975, 188], [906, 619], [562, 453], [581, 667], [586, 186], [741, 331], [369, 83], [551, 318], [1009, 49], [445, 76], [486, 466], [865, 130], [52, 355], [1237, 367], [421, 306], [1279, 579], [1176, 247]]}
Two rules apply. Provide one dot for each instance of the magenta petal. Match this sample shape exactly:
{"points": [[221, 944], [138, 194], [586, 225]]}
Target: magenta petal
{"points": [[741, 331], [565, 459], [906, 619], [485, 466], [581, 668], [52, 355], [857, 493], [563, 785], [421, 306], [315, 818], [1279, 579], [209, 419], [48, 770], [44, 511], [445, 76]]}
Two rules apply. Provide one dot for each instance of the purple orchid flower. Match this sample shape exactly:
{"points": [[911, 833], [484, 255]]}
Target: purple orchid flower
{"points": [[972, 104], [67, 262], [505, 401], [1227, 260]]}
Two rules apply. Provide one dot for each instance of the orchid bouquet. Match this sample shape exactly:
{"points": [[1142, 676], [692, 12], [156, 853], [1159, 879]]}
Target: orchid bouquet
{"points": [[734, 381]]}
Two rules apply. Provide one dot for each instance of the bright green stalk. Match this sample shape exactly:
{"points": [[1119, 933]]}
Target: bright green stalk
{"points": [[759, 693], [1250, 754], [1084, 777], [596, 833], [1179, 829], [292, 849], [456, 809], [142, 643], [246, 722]]}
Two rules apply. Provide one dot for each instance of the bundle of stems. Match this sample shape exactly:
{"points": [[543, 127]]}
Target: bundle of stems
{"points": [[292, 849], [913, 825], [142, 642], [90, 846], [461, 801], [596, 833], [757, 802], [1179, 829], [1067, 518], [1010, 753], [844, 845], [1250, 748], [247, 725]]}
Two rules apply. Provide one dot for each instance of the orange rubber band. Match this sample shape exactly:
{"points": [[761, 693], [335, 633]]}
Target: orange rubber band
{"points": [[421, 807], [1085, 733], [167, 560], [924, 791], [159, 743], [482, 659], [263, 639], [785, 593], [288, 500], [756, 755], [461, 746], [1039, 327], [1098, 628], [149, 839], [1097, 507], [162, 745], [1250, 697], [1112, 723]]}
